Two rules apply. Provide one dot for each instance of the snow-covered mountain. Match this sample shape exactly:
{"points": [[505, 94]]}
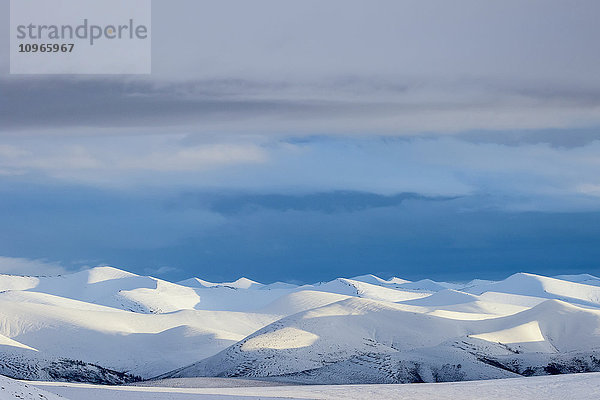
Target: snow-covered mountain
{"points": [[106, 325]]}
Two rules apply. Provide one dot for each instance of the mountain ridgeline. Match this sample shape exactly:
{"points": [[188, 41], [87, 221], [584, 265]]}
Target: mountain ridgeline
{"points": [[109, 326]]}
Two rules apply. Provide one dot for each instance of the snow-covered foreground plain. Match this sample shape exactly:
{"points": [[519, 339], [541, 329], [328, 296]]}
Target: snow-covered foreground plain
{"points": [[11, 389], [106, 325], [580, 386]]}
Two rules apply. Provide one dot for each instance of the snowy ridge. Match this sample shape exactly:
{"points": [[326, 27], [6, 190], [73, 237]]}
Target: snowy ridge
{"points": [[105, 325]]}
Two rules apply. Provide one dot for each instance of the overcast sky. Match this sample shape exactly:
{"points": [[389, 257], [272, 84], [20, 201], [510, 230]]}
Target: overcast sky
{"points": [[307, 140]]}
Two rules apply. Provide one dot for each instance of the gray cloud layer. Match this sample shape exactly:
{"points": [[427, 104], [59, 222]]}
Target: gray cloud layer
{"points": [[342, 106], [313, 67]]}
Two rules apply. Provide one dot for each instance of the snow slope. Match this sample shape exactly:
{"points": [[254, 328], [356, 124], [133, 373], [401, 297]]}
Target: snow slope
{"points": [[12, 389], [241, 283], [375, 280], [365, 290], [586, 279], [143, 344], [111, 326], [356, 328], [544, 287]]}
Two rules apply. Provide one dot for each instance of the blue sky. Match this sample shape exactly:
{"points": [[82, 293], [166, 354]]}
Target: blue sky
{"points": [[448, 141]]}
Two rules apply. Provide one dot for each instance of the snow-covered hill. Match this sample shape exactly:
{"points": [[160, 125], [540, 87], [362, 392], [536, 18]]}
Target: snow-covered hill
{"points": [[105, 325]]}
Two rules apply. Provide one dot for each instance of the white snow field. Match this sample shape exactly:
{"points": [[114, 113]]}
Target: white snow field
{"points": [[579, 386], [108, 326], [11, 389]]}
